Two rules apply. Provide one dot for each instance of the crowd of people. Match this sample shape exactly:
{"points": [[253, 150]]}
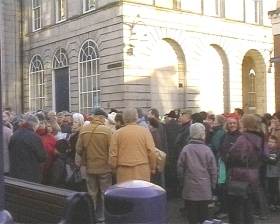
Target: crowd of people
{"points": [[230, 159]]}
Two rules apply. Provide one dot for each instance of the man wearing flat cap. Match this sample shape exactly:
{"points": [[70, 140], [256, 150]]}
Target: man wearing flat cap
{"points": [[93, 145]]}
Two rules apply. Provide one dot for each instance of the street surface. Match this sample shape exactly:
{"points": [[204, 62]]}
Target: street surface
{"points": [[175, 216]]}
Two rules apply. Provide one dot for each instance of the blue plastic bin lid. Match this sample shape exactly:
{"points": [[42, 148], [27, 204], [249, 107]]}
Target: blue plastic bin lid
{"points": [[135, 189], [135, 184]]}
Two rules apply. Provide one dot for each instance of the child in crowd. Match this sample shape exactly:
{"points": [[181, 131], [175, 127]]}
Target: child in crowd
{"points": [[273, 173]]}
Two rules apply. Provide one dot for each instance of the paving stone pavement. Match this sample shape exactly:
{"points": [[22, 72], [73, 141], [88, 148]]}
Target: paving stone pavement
{"points": [[175, 217]]}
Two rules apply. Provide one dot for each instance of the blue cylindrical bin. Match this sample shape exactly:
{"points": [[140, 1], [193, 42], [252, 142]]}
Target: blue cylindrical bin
{"points": [[135, 201]]}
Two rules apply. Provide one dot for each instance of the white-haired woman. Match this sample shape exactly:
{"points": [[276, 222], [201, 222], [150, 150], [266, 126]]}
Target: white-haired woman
{"points": [[78, 122], [198, 172]]}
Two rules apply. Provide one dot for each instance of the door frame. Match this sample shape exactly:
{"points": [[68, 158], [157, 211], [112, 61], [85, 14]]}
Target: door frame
{"points": [[53, 88]]}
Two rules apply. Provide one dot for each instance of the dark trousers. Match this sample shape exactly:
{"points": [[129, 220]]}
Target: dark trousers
{"points": [[222, 197], [273, 190], [197, 211], [240, 211]]}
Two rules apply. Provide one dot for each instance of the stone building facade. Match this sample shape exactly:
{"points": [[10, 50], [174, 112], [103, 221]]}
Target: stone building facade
{"points": [[11, 53], [275, 17], [199, 54]]}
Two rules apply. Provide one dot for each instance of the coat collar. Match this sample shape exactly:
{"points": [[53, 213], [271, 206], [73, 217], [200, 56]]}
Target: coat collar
{"points": [[196, 141]]}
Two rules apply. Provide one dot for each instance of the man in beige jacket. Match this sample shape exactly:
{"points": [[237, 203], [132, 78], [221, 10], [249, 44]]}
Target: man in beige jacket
{"points": [[93, 146], [132, 150]]}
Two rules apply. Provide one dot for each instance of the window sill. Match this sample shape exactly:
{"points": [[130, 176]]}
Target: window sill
{"points": [[90, 10]]}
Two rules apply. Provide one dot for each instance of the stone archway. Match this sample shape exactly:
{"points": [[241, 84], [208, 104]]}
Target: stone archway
{"points": [[254, 82], [168, 76], [214, 81]]}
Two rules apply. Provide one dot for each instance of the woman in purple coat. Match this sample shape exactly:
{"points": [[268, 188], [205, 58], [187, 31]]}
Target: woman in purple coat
{"points": [[245, 160], [197, 171]]}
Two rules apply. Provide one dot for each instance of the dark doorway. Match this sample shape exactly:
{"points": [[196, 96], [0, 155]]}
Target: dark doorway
{"points": [[62, 89]]}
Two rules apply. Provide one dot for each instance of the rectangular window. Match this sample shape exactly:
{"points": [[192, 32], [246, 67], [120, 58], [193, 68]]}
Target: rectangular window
{"points": [[177, 4], [36, 14], [220, 8], [89, 5], [60, 10], [258, 12]]}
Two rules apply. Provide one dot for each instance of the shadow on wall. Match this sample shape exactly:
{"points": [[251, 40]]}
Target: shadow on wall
{"points": [[161, 90]]}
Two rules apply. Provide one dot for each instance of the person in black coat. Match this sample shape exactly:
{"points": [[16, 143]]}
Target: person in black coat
{"points": [[184, 131], [172, 129], [27, 152]]}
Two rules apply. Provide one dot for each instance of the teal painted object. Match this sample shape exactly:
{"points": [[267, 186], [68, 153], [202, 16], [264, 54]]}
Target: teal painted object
{"points": [[221, 172]]}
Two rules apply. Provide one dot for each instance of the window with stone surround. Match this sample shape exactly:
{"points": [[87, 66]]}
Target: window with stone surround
{"points": [[37, 95], [89, 77], [88, 5], [36, 15], [252, 90], [60, 9]]}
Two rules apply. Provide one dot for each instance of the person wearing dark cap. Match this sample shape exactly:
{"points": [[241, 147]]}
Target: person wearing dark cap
{"points": [[184, 132], [94, 142], [172, 129]]}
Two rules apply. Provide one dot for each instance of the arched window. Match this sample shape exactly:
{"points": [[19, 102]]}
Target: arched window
{"points": [[89, 77], [37, 96], [252, 90], [60, 59]]}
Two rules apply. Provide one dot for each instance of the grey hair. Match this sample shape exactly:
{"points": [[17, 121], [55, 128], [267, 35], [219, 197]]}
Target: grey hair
{"points": [[130, 115], [31, 120], [79, 118]]}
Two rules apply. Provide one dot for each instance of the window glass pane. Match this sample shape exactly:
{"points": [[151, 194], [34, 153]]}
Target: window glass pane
{"points": [[94, 67], [84, 85], [90, 100], [89, 81]]}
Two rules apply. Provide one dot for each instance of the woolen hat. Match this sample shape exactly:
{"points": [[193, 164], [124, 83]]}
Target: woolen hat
{"points": [[197, 131], [99, 112]]}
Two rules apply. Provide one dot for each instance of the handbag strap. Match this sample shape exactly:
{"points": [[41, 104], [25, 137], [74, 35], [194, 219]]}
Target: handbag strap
{"points": [[91, 135]]}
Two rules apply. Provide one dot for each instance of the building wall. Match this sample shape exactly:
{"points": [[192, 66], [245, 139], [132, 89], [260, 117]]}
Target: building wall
{"points": [[196, 36], [11, 53], [127, 34], [275, 20], [103, 26]]}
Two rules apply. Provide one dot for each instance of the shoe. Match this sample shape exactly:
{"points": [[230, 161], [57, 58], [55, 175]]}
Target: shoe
{"points": [[211, 205], [263, 218], [272, 208], [183, 212], [222, 215]]}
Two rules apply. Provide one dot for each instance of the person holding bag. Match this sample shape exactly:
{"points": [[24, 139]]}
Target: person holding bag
{"points": [[244, 162], [93, 146]]}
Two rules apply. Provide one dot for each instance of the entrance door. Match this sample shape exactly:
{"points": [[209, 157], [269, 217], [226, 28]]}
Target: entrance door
{"points": [[62, 89]]}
